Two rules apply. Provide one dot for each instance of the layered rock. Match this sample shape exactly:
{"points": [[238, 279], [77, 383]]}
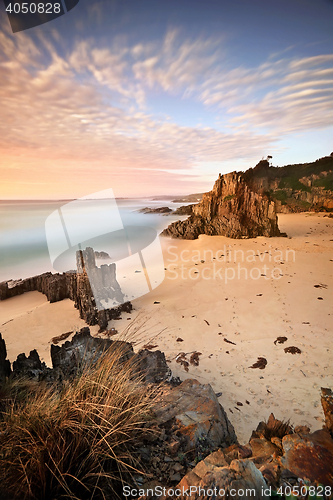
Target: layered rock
{"points": [[94, 290], [196, 413], [231, 209], [56, 287]]}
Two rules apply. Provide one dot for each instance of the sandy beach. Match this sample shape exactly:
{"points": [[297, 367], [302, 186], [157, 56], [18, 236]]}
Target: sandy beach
{"points": [[232, 301]]}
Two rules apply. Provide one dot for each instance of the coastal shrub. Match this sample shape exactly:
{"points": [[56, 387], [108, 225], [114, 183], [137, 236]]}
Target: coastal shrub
{"points": [[74, 440], [280, 195], [292, 182], [278, 429], [325, 182]]}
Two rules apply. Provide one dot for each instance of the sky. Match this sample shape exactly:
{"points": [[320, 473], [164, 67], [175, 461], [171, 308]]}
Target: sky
{"points": [[154, 97]]}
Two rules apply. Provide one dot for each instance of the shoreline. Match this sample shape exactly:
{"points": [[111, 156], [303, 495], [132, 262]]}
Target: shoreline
{"points": [[230, 322]]}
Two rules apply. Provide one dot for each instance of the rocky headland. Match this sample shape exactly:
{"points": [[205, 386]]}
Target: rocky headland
{"points": [[231, 209], [245, 204]]}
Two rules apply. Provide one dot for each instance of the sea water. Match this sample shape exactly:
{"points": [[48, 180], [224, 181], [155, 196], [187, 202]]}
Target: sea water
{"points": [[24, 250]]}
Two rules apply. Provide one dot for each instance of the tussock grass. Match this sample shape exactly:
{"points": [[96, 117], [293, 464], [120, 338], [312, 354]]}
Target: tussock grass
{"points": [[279, 429], [74, 441]]}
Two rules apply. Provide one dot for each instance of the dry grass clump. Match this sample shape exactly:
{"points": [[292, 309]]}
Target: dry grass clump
{"points": [[74, 441], [277, 429]]}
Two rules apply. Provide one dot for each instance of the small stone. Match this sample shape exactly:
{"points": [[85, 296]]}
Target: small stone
{"points": [[175, 477]]}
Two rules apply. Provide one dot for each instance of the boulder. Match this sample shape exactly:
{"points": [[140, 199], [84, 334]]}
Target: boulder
{"points": [[241, 480], [199, 418], [309, 456], [153, 366], [263, 450], [84, 349], [236, 451]]}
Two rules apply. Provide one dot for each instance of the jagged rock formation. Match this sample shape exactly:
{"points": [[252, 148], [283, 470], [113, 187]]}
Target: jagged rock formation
{"points": [[231, 209], [29, 367], [97, 289], [94, 290], [84, 349], [244, 205], [102, 255]]}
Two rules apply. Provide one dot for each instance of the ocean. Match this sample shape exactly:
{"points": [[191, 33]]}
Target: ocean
{"points": [[24, 250]]}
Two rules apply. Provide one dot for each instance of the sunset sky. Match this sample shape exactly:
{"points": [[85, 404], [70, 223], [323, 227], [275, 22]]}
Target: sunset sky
{"points": [[153, 97]]}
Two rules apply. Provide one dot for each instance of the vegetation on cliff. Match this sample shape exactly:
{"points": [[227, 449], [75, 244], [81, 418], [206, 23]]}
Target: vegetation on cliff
{"points": [[297, 187]]}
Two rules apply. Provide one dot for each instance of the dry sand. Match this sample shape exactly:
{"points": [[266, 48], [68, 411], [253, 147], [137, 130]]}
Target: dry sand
{"points": [[29, 322], [230, 318]]}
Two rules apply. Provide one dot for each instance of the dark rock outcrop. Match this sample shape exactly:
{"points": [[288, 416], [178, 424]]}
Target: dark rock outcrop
{"points": [[184, 210], [56, 287], [29, 367], [83, 349], [94, 290], [153, 366], [98, 293], [5, 369], [231, 209], [159, 210]]}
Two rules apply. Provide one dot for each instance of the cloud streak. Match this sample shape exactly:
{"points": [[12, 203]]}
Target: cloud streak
{"points": [[90, 104]]}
